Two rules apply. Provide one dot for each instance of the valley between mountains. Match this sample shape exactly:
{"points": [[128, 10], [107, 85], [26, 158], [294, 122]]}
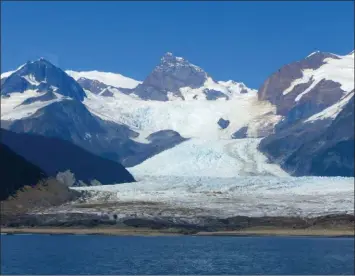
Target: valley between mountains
{"points": [[179, 149]]}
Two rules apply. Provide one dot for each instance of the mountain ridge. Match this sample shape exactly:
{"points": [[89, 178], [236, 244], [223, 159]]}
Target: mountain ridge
{"points": [[179, 101]]}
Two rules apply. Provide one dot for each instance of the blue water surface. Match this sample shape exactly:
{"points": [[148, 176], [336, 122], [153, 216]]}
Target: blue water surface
{"points": [[86, 254]]}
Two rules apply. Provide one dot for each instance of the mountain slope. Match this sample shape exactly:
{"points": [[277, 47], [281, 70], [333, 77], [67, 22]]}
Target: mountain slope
{"points": [[55, 156], [25, 187], [103, 83], [189, 118], [332, 152], [316, 98], [16, 172], [304, 88], [106, 78], [42, 76], [176, 78], [322, 148], [54, 115]]}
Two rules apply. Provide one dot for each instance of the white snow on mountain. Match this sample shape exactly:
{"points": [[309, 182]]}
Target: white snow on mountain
{"points": [[7, 74], [12, 108], [31, 79], [226, 197], [112, 79], [189, 118], [236, 87], [213, 158], [228, 88], [338, 70]]}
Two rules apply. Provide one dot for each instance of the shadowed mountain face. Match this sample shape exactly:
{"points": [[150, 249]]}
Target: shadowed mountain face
{"points": [[42, 76], [24, 187], [55, 155], [16, 172], [322, 148], [71, 121], [313, 138]]}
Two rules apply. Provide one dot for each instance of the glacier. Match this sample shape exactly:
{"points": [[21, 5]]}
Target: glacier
{"points": [[253, 196]]}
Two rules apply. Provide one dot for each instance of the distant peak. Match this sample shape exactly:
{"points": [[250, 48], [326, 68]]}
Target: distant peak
{"points": [[314, 53], [321, 55], [43, 60], [168, 54], [40, 61], [169, 57]]}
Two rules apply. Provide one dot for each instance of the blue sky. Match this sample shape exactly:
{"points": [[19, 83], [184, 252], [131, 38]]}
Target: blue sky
{"points": [[243, 41]]}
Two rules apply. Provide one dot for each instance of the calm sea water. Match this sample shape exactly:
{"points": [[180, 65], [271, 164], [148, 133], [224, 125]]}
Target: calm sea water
{"points": [[76, 254]]}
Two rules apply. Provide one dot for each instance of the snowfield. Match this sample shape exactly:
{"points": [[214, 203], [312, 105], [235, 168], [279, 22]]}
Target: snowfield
{"points": [[225, 197], [112, 79], [194, 118], [12, 108]]}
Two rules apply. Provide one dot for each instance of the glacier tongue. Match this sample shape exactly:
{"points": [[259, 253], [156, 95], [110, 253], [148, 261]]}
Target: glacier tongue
{"points": [[225, 178], [226, 197], [213, 158]]}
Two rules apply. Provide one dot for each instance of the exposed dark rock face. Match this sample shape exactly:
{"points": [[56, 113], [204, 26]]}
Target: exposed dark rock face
{"points": [[213, 95], [323, 95], [54, 155], [323, 147], [278, 82], [42, 76], [223, 123], [240, 133], [309, 148], [93, 86], [43, 98], [159, 141], [170, 75], [332, 152], [107, 93]]}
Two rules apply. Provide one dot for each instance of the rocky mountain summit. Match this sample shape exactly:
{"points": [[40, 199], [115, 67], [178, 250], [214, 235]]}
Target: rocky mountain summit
{"points": [[43, 77]]}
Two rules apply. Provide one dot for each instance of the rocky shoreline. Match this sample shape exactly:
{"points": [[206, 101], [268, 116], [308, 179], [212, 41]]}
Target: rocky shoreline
{"points": [[80, 223], [333, 233]]}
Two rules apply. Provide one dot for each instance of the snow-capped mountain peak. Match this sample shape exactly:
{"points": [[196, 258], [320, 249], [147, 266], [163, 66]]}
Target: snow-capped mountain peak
{"points": [[41, 76], [170, 61], [175, 78]]}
